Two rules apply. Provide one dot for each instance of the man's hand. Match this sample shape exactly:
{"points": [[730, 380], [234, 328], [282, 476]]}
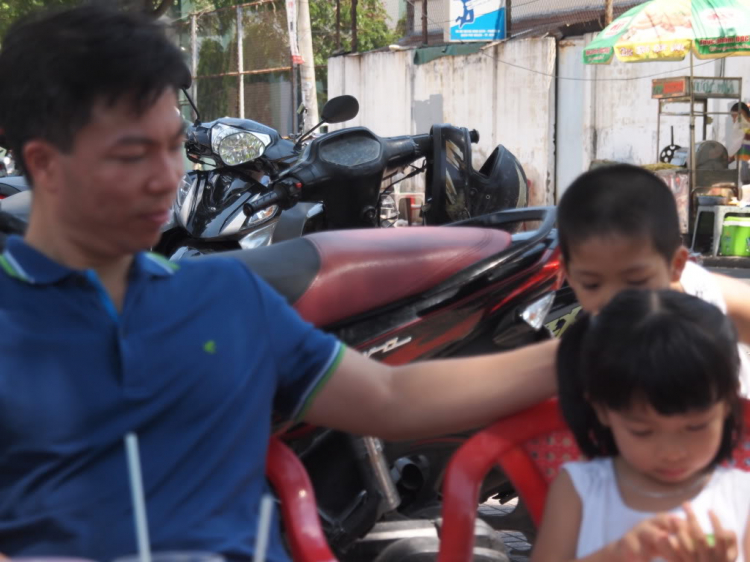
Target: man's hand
{"points": [[736, 293]]}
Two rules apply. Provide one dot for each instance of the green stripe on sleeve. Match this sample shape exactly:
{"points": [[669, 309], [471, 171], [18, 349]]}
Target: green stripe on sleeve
{"points": [[9, 269], [321, 383], [163, 261]]}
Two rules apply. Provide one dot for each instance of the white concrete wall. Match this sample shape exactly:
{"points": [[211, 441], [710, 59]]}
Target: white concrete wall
{"points": [[606, 112], [507, 105], [554, 127]]}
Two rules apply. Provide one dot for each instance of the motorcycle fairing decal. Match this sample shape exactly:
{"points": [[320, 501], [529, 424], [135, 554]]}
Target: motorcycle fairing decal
{"points": [[559, 325], [388, 346]]}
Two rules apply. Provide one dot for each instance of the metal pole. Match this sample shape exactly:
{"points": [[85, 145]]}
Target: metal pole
{"points": [[194, 54], [692, 139], [739, 167], [295, 100], [608, 11], [508, 19], [425, 40], [658, 133], [338, 25], [307, 68], [240, 63], [354, 26]]}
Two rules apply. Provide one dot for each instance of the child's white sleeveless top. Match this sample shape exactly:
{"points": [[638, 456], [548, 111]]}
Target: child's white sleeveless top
{"points": [[605, 518]]}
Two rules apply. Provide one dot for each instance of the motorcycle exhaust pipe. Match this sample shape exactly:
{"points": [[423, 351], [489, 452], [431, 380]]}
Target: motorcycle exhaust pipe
{"points": [[376, 458], [411, 473]]}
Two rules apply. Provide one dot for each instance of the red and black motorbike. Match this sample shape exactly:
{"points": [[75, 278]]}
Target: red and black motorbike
{"points": [[404, 295]]}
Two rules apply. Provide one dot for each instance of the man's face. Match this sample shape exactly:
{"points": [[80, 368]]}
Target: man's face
{"points": [[114, 190], [601, 267]]}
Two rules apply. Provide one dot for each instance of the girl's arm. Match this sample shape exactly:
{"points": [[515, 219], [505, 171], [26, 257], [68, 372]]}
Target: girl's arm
{"points": [[557, 539]]}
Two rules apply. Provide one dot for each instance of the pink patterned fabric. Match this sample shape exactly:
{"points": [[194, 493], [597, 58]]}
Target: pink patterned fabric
{"points": [[555, 449]]}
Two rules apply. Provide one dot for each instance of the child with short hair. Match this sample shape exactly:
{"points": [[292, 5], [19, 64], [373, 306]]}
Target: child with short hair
{"points": [[619, 229], [649, 387]]}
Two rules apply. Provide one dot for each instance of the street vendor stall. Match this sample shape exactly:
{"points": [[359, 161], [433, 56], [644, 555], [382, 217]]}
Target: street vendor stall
{"points": [[707, 172], [672, 30]]}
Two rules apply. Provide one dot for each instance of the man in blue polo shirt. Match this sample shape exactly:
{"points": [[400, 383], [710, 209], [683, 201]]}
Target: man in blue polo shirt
{"points": [[100, 338]]}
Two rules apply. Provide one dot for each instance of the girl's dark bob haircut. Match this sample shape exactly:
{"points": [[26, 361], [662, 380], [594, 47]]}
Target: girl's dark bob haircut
{"points": [[673, 351]]}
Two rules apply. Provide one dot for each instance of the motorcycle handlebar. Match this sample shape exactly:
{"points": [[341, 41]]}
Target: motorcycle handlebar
{"points": [[279, 196]]}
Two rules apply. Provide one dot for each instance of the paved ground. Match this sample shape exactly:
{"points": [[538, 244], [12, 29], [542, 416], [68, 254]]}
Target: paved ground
{"points": [[515, 542], [738, 273], [518, 548]]}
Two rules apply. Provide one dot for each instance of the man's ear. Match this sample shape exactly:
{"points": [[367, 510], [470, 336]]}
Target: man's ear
{"points": [[679, 260], [42, 161]]}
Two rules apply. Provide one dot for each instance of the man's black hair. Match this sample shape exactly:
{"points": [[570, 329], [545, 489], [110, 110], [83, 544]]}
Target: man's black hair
{"points": [[619, 200], [56, 66], [673, 351]]}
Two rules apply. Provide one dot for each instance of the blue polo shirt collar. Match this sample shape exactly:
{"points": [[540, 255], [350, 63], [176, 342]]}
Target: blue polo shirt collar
{"points": [[21, 261]]}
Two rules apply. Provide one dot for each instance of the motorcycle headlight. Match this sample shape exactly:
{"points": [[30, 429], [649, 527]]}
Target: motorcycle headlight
{"points": [[235, 146]]}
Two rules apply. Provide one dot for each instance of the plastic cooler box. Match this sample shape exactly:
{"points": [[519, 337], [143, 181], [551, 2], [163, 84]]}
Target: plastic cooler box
{"points": [[735, 236]]}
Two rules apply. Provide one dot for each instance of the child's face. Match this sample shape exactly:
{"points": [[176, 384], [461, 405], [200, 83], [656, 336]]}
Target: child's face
{"points": [[666, 449], [599, 268]]}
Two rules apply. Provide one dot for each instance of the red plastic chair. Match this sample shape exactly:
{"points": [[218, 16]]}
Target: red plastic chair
{"points": [[530, 447], [299, 511]]}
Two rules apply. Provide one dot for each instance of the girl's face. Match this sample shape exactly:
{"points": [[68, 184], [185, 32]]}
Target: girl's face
{"points": [[666, 449]]}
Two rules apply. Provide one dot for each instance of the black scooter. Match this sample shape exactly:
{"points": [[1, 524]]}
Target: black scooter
{"points": [[248, 159]]}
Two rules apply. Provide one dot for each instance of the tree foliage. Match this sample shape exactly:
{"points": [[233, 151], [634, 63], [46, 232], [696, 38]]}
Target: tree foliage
{"points": [[265, 40], [372, 27], [11, 10]]}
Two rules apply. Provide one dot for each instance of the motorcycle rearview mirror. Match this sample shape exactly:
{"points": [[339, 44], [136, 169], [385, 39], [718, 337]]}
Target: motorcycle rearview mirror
{"points": [[340, 109], [336, 110], [187, 82], [192, 104]]}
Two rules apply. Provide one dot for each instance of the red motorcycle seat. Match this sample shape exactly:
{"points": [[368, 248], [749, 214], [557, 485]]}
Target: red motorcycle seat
{"points": [[362, 270], [334, 275]]}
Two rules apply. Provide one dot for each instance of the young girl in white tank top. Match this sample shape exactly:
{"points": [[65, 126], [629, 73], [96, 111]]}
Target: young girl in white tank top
{"points": [[649, 387]]}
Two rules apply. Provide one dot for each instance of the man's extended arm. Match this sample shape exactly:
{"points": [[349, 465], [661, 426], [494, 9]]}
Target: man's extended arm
{"points": [[737, 296], [433, 397]]}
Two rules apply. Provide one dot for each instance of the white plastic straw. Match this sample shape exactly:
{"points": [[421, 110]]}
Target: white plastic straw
{"points": [[264, 528], [139, 499]]}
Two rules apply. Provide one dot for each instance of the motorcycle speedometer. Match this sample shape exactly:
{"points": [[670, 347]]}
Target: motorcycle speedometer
{"points": [[235, 146]]}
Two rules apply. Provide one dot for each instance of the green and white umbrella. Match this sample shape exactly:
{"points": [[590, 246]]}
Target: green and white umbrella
{"points": [[668, 30]]}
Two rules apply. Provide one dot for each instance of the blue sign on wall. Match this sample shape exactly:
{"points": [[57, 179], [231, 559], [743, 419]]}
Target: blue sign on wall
{"points": [[477, 20]]}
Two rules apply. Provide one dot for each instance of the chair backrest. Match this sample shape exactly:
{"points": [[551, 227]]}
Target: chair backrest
{"points": [[530, 447], [299, 511]]}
